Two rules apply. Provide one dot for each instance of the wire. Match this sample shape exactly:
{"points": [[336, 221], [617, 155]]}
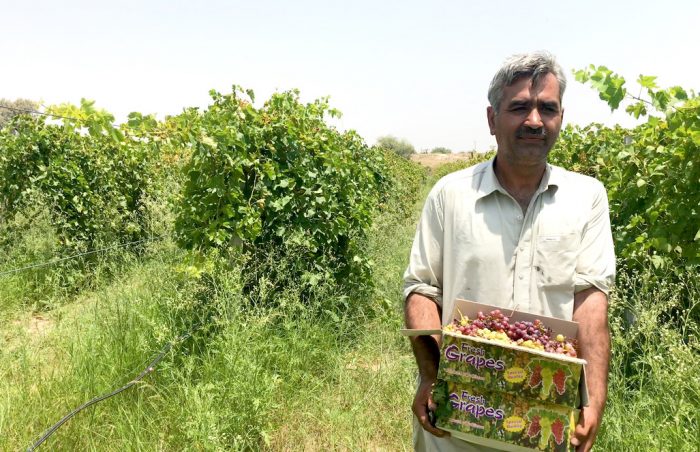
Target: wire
{"points": [[44, 264], [36, 112], [149, 369]]}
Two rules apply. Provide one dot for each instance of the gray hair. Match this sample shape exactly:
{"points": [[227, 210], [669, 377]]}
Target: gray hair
{"points": [[533, 65]]}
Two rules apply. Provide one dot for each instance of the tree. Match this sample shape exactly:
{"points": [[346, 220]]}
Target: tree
{"points": [[399, 146], [6, 114], [441, 150]]}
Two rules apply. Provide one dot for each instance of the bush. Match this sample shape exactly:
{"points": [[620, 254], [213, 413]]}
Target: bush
{"points": [[651, 172], [451, 167], [94, 184], [399, 146], [280, 177], [402, 188]]}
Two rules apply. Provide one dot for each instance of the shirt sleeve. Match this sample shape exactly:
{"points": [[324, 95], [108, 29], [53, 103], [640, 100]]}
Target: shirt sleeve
{"points": [[424, 272], [596, 260]]}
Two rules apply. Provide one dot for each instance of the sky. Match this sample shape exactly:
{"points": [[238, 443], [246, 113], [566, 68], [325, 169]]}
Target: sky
{"points": [[415, 70]]}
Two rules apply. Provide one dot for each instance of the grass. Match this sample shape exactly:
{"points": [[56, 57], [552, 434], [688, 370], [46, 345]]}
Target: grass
{"points": [[655, 374], [291, 376], [266, 378]]}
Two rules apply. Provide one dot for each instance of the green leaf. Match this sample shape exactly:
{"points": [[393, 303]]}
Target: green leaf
{"points": [[581, 75], [209, 141], [678, 93], [658, 261], [334, 317], [250, 94], [637, 109], [647, 81], [660, 100], [609, 85]]}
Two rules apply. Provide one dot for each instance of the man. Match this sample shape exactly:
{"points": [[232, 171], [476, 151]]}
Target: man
{"points": [[514, 232]]}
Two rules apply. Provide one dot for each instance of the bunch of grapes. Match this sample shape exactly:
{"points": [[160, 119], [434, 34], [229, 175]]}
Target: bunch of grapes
{"points": [[558, 431], [559, 379], [534, 427], [496, 326]]}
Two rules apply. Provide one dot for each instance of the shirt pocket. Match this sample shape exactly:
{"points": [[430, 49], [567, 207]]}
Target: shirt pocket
{"points": [[555, 260]]}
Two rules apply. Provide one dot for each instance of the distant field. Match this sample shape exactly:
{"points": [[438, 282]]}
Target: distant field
{"points": [[433, 160]]}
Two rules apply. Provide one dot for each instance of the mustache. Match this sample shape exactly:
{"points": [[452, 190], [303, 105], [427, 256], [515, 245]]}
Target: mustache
{"points": [[527, 132]]}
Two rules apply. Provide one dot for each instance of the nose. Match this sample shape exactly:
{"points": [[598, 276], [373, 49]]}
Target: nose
{"points": [[534, 120]]}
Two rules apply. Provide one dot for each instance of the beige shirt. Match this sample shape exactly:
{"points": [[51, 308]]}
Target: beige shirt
{"points": [[474, 242]]}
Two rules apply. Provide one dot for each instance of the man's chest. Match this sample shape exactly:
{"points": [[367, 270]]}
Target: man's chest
{"points": [[498, 221]]}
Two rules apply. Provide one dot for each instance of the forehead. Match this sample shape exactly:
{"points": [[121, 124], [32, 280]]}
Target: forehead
{"points": [[546, 88]]}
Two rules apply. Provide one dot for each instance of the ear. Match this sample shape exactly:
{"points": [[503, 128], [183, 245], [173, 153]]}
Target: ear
{"points": [[562, 115], [491, 116]]}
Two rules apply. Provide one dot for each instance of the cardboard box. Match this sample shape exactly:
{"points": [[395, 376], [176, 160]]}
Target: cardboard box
{"points": [[502, 420], [547, 377], [504, 395], [500, 367]]}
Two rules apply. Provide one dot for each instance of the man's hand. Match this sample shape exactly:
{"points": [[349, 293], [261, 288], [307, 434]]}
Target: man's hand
{"points": [[591, 313], [424, 314], [586, 430], [423, 404]]}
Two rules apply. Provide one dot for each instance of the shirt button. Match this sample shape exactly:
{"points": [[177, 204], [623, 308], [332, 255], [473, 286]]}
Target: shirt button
{"points": [[519, 218], [520, 277], [522, 249]]}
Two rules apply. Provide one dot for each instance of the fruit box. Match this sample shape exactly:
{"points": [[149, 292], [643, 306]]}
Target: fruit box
{"points": [[504, 395], [525, 372], [502, 367], [502, 420]]}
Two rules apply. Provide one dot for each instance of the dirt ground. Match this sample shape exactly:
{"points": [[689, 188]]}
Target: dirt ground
{"points": [[433, 160]]}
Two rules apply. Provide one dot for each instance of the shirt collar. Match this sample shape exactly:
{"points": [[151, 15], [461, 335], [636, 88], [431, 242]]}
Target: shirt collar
{"points": [[554, 176], [489, 183]]}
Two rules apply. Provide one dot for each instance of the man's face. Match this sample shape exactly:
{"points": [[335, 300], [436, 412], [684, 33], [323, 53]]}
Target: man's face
{"points": [[528, 121]]}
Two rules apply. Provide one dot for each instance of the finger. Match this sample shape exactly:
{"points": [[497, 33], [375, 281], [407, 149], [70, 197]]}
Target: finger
{"points": [[579, 436], [585, 447], [586, 444], [432, 406], [425, 423], [422, 415], [582, 437], [421, 404]]}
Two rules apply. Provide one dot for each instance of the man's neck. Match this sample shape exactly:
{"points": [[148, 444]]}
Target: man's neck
{"points": [[521, 182]]}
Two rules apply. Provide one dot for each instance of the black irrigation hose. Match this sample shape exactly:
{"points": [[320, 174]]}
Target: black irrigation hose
{"points": [[150, 368], [74, 256]]}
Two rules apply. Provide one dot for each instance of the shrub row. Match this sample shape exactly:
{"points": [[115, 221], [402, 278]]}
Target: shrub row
{"points": [[95, 184], [280, 178], [651, 171]]}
